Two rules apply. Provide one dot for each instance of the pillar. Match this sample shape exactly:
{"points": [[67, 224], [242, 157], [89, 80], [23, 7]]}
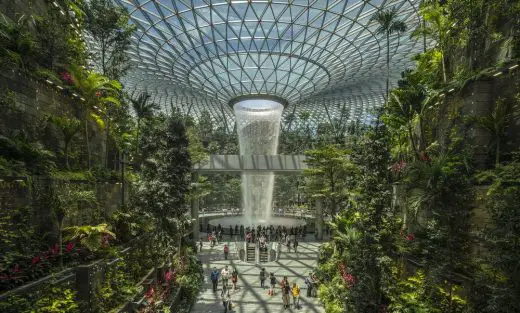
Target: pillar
{"points": [[318, 205], [195, 209]]}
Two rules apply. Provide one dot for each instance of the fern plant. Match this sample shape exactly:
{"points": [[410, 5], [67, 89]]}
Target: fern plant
{"points": [[92, 237]]}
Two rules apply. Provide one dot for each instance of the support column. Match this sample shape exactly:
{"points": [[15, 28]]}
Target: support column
{"points": [[195, 209], [318, 205]]}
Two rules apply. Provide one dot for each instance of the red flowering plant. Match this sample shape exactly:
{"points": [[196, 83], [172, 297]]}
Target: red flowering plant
{"points": [[348, 278], [67, 78]]}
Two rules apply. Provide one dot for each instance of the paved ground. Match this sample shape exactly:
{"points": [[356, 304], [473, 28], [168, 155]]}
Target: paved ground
{"points": [[250, 297]]}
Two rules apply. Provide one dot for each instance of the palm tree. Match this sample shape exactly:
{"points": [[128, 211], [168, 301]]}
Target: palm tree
{"points": [[436, 26], [497, 123], [98, 91], [388, 25], [69, 127], [143, 109]]}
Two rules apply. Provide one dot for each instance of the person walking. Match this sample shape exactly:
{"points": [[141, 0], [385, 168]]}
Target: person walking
{"points": [[273, 284], [234, 278], [295, 244], [214, 278], [286, 290], [226, 251], [309, 283], [225, 276], [200, 243], [296, 295], [226, 302], [262, 278]]}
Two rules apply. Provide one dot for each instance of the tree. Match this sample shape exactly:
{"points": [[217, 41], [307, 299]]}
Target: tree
{"points": [[165, 176], [111, 34], [388, 25], [57, 40], [98, 92], [498, 122], [69, 127], [143, 109], [67, 201], [329, 172], [500, 269], [436, 26], [17, 42]]}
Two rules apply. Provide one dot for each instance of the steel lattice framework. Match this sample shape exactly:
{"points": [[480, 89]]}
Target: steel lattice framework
{"points": [[321, 56]]}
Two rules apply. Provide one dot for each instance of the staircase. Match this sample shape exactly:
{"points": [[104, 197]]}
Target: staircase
{"points": [[250, 252], [264, 256]]}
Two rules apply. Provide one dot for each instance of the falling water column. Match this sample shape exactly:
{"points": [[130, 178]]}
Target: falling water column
{"points": [[258, 127]]}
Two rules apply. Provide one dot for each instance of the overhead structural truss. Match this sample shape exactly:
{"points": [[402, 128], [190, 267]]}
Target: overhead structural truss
{"points": [[323, 57]]}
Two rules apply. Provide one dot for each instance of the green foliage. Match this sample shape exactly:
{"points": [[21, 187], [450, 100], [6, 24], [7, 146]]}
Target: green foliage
{"points": [[51, 300], [192, 277], [69, 127], [17, 42], [355, 266], [32, 155], [57, 300], [93, 238], [58, 43], [329, 173], [111, 32], [500, 268], [411, 296], [116, 288], [498, 122]]}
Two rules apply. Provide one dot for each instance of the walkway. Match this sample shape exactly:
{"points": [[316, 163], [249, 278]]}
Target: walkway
{"points": [[251, 298]]}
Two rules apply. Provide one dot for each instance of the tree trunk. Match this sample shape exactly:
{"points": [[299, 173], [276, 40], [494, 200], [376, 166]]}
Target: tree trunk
{"points": [[497, 152], [66, 153], [412, 141], [387, 64], [422, 141], [89, 165], [107, 139], [137, 137], [60, 239], [443, 67]]}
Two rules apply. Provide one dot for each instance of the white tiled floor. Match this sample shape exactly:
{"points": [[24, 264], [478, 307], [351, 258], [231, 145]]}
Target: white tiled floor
{"points": [[250, 297]]}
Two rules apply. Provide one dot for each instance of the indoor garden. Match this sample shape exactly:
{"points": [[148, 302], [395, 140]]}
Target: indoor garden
{"points": [[367, 150]]}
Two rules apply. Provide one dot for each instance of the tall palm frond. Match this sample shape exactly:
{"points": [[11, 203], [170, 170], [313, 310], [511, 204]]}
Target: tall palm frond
{"points": [[388, 24], [427, 180], [498, 121], [98, 93], [143, 109]]}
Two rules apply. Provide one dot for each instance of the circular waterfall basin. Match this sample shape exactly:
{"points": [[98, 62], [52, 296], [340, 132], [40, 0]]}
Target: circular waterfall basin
{"points": [[225, 222]]}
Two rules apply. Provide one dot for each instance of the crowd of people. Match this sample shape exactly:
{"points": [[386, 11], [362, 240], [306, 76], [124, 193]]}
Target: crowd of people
{"points": [[261, 235], [288, 290]]}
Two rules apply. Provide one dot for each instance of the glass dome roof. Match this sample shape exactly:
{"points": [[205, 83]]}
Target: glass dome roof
{"points": [[321, 56]]}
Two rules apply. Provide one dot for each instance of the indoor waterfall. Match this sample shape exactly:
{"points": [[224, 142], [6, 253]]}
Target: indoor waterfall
{"points": [[258, 127]]}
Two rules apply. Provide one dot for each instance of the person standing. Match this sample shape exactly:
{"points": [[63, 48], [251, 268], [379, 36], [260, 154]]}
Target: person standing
{"points": [[200, 243], [262, 278], [214, 279], [234, 278], [295, 244], [296, 295], [226, 251], [230, 232]]}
